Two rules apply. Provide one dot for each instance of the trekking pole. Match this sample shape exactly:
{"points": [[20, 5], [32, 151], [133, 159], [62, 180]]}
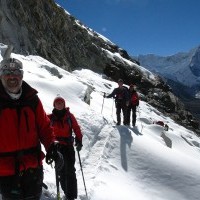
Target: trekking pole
{"points": [[112, 110], [112, 107], [140, 120], [82, 173], [103, 102], [57, 185]]}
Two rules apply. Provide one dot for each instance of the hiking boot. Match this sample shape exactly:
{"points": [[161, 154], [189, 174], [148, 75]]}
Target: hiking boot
{"points": [[118, 123]]}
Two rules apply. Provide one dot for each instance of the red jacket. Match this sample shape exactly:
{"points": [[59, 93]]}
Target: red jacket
{"points": [[63, 127], [22, 127]]}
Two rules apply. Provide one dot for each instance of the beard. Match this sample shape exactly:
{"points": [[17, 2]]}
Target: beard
{"points": [[12, 85]]}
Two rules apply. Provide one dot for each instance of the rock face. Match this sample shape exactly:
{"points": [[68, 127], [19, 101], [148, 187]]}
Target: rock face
{"points": [[40, 27]]}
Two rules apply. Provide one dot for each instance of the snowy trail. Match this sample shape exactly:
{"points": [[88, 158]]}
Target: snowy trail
{"points": [[119, 162], [125, 143], [93, 161]]}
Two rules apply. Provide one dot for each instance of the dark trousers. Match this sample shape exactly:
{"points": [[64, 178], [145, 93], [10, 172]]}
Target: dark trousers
{"points": [[121, 106], [25, 186], [133, 109], [68, 179]]}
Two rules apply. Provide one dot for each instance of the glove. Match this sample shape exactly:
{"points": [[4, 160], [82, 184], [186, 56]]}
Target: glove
{"points": [[104, 95], [78, 144], [52, 152], [54, 155]]}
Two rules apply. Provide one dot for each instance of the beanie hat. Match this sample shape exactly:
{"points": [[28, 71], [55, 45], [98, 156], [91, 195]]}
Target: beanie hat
{"points": [[11, 63], [120, 81], [58, 98]]}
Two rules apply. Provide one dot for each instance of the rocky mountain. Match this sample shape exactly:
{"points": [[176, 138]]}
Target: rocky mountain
{"points": [[182, 73], [183, 68], [41, 27]]}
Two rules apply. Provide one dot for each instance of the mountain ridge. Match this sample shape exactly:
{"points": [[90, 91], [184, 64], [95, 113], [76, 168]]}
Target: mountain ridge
{"points": [[174, 66], [181, 71]]}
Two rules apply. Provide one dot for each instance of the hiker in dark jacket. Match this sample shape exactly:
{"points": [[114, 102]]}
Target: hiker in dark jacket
{"points": [[64, 123], [133, 103], [121, 101], [24, 125]]}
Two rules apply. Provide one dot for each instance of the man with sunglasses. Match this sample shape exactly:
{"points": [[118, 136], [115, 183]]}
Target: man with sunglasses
{"points": [[24, 126]]}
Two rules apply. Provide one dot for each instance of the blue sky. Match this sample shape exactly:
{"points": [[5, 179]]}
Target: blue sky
{"points": [[162, 27]]}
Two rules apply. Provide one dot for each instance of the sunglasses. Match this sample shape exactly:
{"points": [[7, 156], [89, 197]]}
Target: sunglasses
{"points": [[16, 72]]}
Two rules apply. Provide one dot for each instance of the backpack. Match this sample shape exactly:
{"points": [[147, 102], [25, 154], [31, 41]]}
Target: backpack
{"points": [[161, 123], [135, 99]]}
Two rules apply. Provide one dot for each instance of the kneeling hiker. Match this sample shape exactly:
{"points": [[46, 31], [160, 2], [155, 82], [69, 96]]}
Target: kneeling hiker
{"points": [[63, 123]]}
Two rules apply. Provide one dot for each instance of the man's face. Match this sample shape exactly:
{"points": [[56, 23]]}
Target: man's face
{"points": [[12, 79], [120, 84]]}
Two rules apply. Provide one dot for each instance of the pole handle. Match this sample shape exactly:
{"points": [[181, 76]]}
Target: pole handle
{"points": [[103, 102]]}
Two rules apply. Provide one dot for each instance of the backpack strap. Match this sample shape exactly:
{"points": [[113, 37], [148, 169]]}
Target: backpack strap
{"points": [[33, 103], [68, 121]]}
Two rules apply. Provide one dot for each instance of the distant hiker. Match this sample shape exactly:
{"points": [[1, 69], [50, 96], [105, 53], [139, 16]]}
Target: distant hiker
{"points": [[121, 101], [64, 124], [133, 103], [24, 125]]}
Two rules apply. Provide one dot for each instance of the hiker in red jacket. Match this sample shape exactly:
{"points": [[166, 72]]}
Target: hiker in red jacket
{"points": [[64, 124], [133, 103], [24, 125]]}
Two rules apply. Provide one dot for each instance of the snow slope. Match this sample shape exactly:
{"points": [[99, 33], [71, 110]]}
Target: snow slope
{"points": [[119, 162]]}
